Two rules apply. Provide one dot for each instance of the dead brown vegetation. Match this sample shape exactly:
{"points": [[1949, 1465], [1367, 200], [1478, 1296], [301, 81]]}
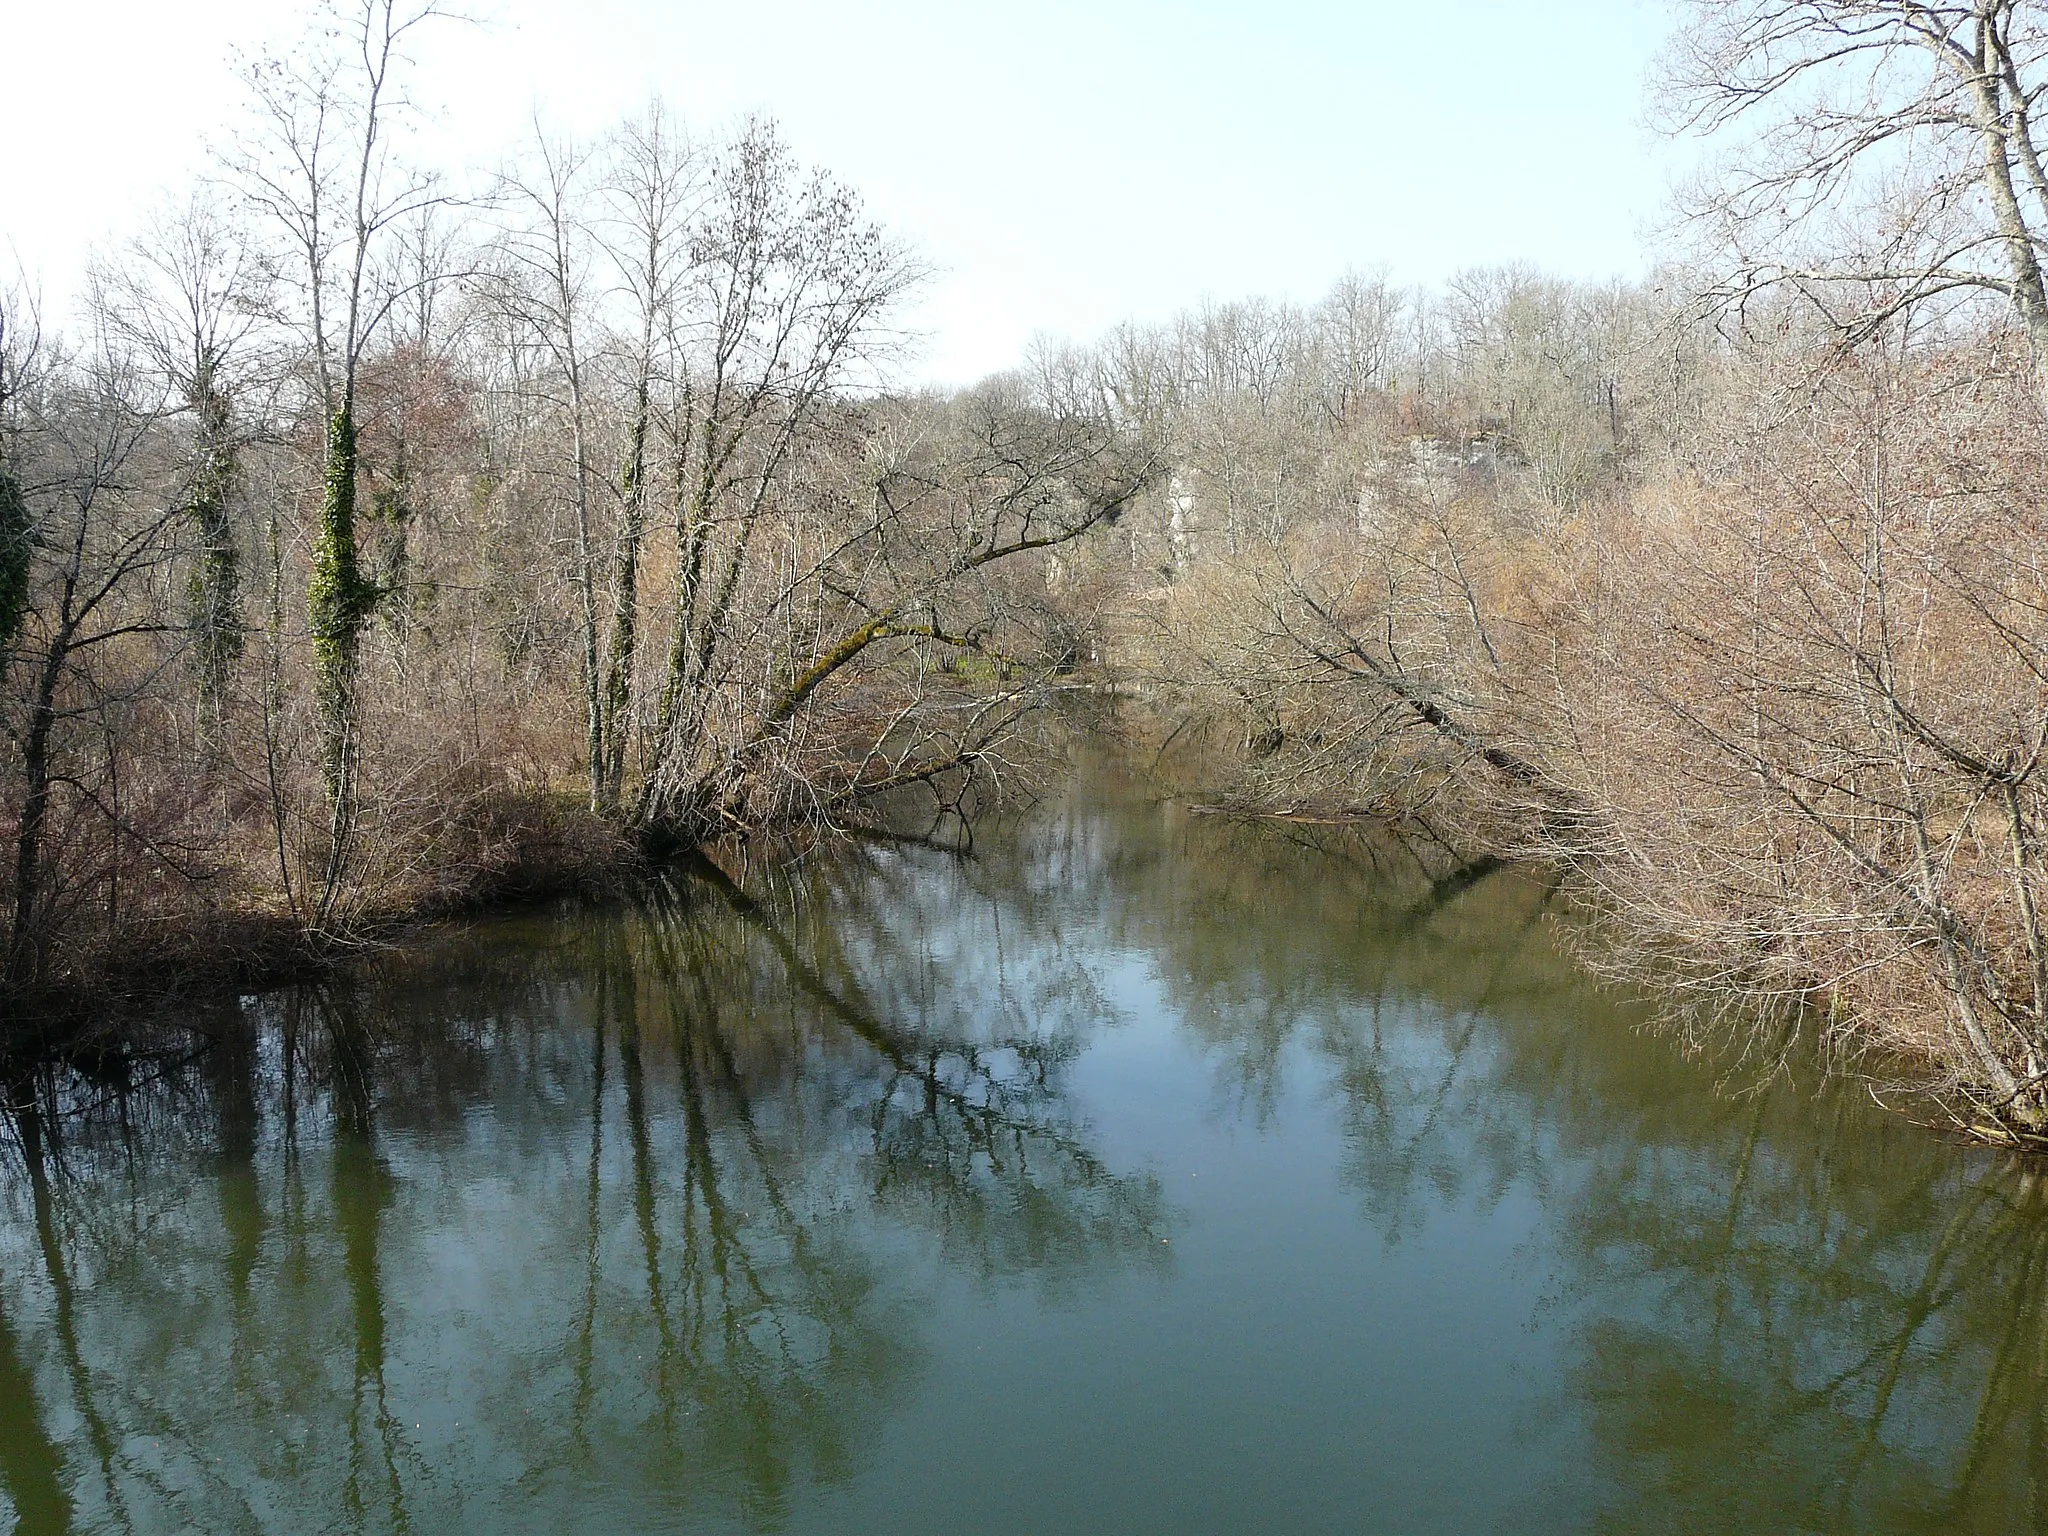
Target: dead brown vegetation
{"points": [[1772, 694]]}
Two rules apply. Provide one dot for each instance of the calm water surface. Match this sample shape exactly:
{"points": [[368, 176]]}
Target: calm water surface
{"points": [[1144, 1173]]}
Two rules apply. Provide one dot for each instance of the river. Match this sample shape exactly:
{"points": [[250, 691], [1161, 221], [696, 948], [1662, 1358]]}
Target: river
{"points": [[1145, 1171]]}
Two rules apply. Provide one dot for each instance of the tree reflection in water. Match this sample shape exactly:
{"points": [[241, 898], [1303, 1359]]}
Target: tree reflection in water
{"points": [[1787, 1310], [626, 1219], [640, 1191]]}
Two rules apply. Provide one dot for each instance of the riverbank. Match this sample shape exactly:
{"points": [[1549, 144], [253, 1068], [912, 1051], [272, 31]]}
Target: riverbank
{"points": [[207, 939], [504, 851]]}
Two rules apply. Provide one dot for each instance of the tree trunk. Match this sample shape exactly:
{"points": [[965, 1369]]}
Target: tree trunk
{"points": [[25, 943], [216, 598], [2028, 293], [16, 546], [338, 601], [586, 589], [618, 679]]}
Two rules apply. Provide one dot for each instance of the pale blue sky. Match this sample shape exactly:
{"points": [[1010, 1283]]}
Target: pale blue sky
{"points": [[1061, 165]]}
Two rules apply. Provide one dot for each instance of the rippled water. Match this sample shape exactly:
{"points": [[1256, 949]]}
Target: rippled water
{"points": [[1143, 1173]]}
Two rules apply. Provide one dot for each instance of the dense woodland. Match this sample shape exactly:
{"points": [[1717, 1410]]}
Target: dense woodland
{"points": [[374, 540]]}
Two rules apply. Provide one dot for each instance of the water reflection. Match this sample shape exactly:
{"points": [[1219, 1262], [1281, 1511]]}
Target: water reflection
{"points": [[661, 1218], [1786, 1310], [639, 1191]]}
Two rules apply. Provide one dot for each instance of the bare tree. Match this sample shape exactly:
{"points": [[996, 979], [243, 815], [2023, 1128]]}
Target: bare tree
{"points": [[187, 295], [1891, 158], [19, 345], [323, 172], [654, 186], [1356, 332], [790, 287], [545, 285], [91, 643], [1809, 701]]}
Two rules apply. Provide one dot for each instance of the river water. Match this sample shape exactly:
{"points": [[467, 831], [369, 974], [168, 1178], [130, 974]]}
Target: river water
{"points": [[1144, 1172]]}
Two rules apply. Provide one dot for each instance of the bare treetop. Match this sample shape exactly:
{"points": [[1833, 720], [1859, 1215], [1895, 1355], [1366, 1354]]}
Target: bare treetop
{"points": [[1896, 136]]}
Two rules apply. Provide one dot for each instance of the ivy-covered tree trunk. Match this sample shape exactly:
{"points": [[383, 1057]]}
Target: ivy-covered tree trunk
{"points": [[216, 594], [17, 543], [26, 935], [339, 602]]}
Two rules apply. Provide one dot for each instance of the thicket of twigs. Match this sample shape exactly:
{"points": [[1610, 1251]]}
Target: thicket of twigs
{"points": [[1765, 674], [1723, 594]]}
